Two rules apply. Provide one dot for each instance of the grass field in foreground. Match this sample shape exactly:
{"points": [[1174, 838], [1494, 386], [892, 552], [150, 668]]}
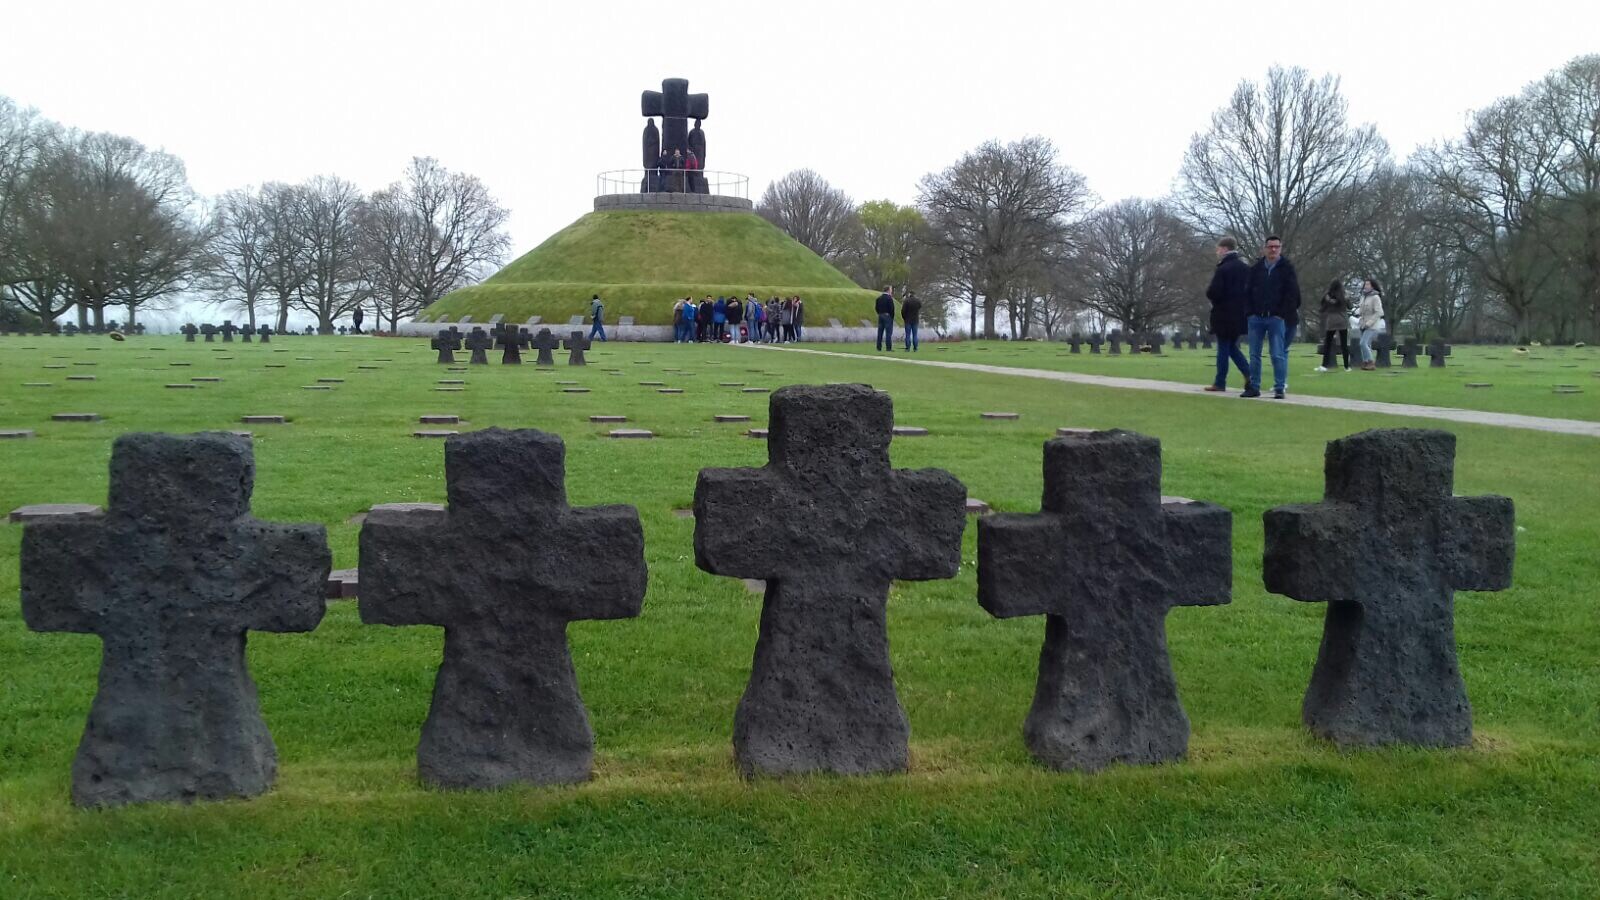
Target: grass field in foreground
{"points": [[1521, 382], [1258, 809]]}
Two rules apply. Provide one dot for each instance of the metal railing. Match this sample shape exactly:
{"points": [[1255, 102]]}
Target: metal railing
{"points": [[673, 181]]}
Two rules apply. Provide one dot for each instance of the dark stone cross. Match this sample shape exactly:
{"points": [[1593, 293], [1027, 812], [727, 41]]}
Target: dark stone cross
{"points": [[1177, 341], [1075, 342], [511, 341], [575, 346], [265, 332], [1095, 340], [506, 707], [246, 333], [210, 331], [1437, 351], [1384, 344], [545, 342], [676, 106], [1106, 692], [1155, 341], [171, 578], [189, 331], [447, 341], [480, 343], [228, 330], [1116, 343], [1386, 550], [821, 695], [1409, 352]]}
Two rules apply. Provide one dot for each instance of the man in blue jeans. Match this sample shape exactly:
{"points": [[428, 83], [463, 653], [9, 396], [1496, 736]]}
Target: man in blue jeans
{"points": [[885, 309], [1229, 293], [1274, 303], [911, 316], [597, 312]]}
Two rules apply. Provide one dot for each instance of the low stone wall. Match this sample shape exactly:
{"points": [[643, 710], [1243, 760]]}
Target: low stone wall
{"points": [[665, 202]]}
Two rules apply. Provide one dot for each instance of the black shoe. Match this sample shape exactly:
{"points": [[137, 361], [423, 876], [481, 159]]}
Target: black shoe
{"points": [[1277, 395], [1251, 392]]}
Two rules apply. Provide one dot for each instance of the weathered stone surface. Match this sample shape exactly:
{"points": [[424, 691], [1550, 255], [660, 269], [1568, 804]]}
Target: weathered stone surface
{"points": [[343, 584], [480, 343], [171, 578], [433, 434], [575, 346], [446, 341], [976, 507], [262, 420], [1386, 550], [1104, 561], [545, 342], [505, 706], [77, 416], [37, 511], [512, 340], [821, 694], [759, 434], [636, 433]]}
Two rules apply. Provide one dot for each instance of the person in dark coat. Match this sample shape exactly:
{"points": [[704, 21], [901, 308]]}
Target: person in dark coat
{"points": [[885, 309], [1274, 309], [911, 317], [1334, 313], [1229, 294], [703, 319]]}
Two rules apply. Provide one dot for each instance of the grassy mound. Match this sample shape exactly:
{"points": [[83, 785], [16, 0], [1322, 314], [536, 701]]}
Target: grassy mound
{"points": [[640, 262]]}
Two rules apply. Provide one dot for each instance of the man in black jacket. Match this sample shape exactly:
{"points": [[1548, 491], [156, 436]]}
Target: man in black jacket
{"points": [[911, 316], [885, 309], [1274, 303], [1229, 294]]}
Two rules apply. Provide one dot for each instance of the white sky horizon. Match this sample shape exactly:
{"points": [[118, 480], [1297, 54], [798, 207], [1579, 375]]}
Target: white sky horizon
{"points": [[537, 99]]}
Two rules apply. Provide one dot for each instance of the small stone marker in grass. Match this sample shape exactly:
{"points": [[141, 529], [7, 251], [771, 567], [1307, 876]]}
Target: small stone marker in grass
{"points": [[369, 367], [85, 364], [730, 384], [206, 379], [1103, 516], [652, 383], [1568, 389], [80, 377], [909, 431], [433, 434], [504, 624], [1479, 384], [450, 390], [184, 364], [683, 513], [330, 381], [39, 511], [15, 434], [1066, 431], [821, 695], [1000, 415], [759, 434], [276, 366], [36, 384], [575, 390], [438, 419], [976, 507], [171, 578], [669, 390], [55, 366], [566, 382], [755, 390], [1386, 550], [450, 381], [729, 417], [316, 387], [305, 359], [184, 386], [343, 584], [263, 420], [637, 433], [608, 419], [76, 417]]}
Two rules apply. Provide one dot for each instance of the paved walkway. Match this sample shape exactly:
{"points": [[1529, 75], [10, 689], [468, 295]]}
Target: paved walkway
{"points": [[1449, 414]]}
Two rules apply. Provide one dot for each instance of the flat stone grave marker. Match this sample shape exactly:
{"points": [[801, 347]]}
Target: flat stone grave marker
{"points": [[317, 387], [821, 695], [651, 383], [608, 419], [683, 513], [1106, 692], [575, 390], [1568, 389], [1479, 384], [15, 434], [55, 366], [180, 364], [1386, 550], [759, 434], [730, 384], [433, 434], [305, 359], [1066, 431], [450, 390], [909, 431], [276, 366], [639, 433], [729, 417], [755, 390], [669, 390], [450, 381], [1000, 415], [330, 381], [206, 379], [566, 382], [76, 417], [176, 717], [36, 384], [39, 511], [80, 377], [369, 368], [343, 584], [182, 386], [504, 624], [976, 507], [438, 419], [86, 364], [263, 420]]}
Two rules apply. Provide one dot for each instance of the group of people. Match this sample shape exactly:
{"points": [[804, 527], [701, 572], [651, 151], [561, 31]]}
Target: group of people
{"points": [[1261, 302], [731, 320], [674, 172], [910, 317]]}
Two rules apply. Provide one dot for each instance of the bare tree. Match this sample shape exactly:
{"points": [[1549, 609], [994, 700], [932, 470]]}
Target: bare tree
{"points": [[29, 277], [327, 210], [237, 252], [811, 211], [1139, 265], [285, 263], [999, 210], [1282, 158], [1567, 104]]}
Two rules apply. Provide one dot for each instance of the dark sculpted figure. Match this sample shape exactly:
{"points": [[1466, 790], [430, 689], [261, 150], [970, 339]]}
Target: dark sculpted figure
{"points": [[675, 105]]}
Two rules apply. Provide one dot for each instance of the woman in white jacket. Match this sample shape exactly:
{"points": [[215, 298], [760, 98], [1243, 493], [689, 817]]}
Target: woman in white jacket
{"points": [[1370, 315]]}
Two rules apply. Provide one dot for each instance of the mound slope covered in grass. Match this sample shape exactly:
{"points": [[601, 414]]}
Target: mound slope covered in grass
{"points": [[641, 261]]}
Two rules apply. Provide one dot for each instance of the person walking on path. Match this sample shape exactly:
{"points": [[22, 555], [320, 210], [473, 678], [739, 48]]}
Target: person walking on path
{"points": [[885, 307], [597, 312], [1229, 293], [1335, 322], [1369, 316], [1274, 301], [911, 316]]}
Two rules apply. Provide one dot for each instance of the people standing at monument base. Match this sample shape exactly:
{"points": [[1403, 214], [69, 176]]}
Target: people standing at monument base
{"points": [[719, 318]]}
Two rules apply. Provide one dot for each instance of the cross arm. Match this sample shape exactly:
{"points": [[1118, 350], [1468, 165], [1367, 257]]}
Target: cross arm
{"points": [[596, 567], [1200, 545], [925, 522], [699, 106], [404, 579], [1478, 542], [736, 511], [64, 573], [1312, 553], [1021, 566], [282, 582], [650, 103]]}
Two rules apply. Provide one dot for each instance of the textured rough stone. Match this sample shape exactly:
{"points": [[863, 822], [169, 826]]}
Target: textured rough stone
{"points": [[512, 340], [1104, 561], [480, 343], [171, 578], [1437, 351], [1386, 550], [545, 342], [821, 694], [506, 707], [575, 346], [447, 341]]}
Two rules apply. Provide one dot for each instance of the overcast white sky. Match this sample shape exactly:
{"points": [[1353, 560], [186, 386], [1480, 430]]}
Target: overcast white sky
{"points": [[535, 98]]}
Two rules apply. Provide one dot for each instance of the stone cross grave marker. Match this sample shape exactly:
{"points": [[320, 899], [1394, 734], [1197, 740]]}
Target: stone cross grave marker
{"points": [[545, 342], [1106, 693], [1386, 550], [821, 695], [511, 340], [480, 343], [189, 331], [447, 342], [1116, 343], [1094, 341], [1155, 341], [247, 332], [1075, 342], [266, 333], [228, 330], [506, 707], [1384, 345], [575, 346], [1437, 351], [171, 578], [1409, 352], [210, 332]]}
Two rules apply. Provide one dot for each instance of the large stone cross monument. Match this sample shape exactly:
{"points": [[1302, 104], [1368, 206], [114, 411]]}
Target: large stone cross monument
{"points": [[675, 105]]}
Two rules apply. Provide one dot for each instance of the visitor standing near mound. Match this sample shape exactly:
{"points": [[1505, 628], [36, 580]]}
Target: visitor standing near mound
{"points": [[690, 313], [799, 318], [702, 319], [911, 316], [1229, 294], [788, 321], [1335, 316], [735, 316], [1370, 316], [774, 320], [597, 311], [719, 318], [886, 319], [1274, 301]]}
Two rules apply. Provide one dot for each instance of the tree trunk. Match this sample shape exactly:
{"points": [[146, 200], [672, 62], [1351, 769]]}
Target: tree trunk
{"points": [[283, 314], [100, 316], [83, 317]]}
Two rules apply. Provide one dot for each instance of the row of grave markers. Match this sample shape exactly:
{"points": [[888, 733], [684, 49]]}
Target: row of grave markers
{"points": [[512, 340], [176, 716]]}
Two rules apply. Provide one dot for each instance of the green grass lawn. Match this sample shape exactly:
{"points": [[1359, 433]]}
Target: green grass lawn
{"points": [[640, 261], [1521, 382], [1259, 808]]}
